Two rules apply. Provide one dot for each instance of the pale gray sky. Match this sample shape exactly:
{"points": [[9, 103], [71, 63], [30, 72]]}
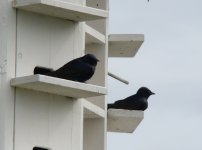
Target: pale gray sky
{"points": [[169, 63]]}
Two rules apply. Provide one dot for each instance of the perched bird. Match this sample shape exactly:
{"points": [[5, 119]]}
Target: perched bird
{"points": [[80, 69], [137, 101], [40, 148]]}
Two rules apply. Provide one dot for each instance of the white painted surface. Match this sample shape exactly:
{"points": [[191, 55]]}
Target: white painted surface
{"points": [[94, 135], [7, 71], [99, 25], [46, 119], [92, 111], [93, 36], [44, 41], [126, 121], [61, 9], [97, 4], [124, 45], [58, 86], [42, 119], [77, 129]]}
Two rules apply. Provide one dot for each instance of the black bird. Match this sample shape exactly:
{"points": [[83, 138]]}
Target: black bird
{"points": [[40, 148], [80, 69], [137, 101]]}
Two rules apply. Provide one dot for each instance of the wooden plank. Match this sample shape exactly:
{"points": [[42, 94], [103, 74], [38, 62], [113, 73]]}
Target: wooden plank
{"points": [[92, 111], [93, 36], [124, 45], [61, 9], [58, 86], [125, 121]]}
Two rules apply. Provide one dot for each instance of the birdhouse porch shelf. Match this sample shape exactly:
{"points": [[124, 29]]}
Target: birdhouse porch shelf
{"points": [[124, 121], [58, 86]]}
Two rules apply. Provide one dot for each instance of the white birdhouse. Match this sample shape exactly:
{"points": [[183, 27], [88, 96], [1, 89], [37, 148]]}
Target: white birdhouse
{"points": [[48, 112]]}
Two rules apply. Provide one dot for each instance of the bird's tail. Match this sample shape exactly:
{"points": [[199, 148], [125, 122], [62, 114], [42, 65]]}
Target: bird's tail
{"points": [[110, 106], [42, 70]]}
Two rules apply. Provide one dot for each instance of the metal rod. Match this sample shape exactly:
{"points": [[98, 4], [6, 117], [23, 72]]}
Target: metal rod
{"points": [[118, 78]]}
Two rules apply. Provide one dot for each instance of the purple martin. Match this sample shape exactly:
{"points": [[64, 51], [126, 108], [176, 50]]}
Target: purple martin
{"points": [[80, 69], [137, 101]]}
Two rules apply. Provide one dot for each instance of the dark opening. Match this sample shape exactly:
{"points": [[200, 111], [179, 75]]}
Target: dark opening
{"points": [[40, 148]]}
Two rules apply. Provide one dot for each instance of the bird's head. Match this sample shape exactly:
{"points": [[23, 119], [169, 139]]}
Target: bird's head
{"points": [[91, 59], [145, 92]]}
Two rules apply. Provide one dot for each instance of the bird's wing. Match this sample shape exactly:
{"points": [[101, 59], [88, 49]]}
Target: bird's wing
{"points": [[73, 70], [121, 104], [138, 103], [78, 68]]}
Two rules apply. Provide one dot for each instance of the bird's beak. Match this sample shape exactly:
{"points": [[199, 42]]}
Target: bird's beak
{"points": [[152, 93]]}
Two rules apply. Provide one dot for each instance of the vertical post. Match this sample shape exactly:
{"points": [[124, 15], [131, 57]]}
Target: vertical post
{"points": [[7, 71], [79, 40], [79, 35], [106, 73], [77, 125]]}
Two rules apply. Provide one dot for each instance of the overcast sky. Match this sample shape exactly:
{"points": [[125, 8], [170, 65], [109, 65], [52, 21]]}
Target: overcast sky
{"points": [[170, 64]]}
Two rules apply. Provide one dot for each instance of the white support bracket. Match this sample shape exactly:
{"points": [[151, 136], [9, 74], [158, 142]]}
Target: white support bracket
{"points": [[118, 78]]}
